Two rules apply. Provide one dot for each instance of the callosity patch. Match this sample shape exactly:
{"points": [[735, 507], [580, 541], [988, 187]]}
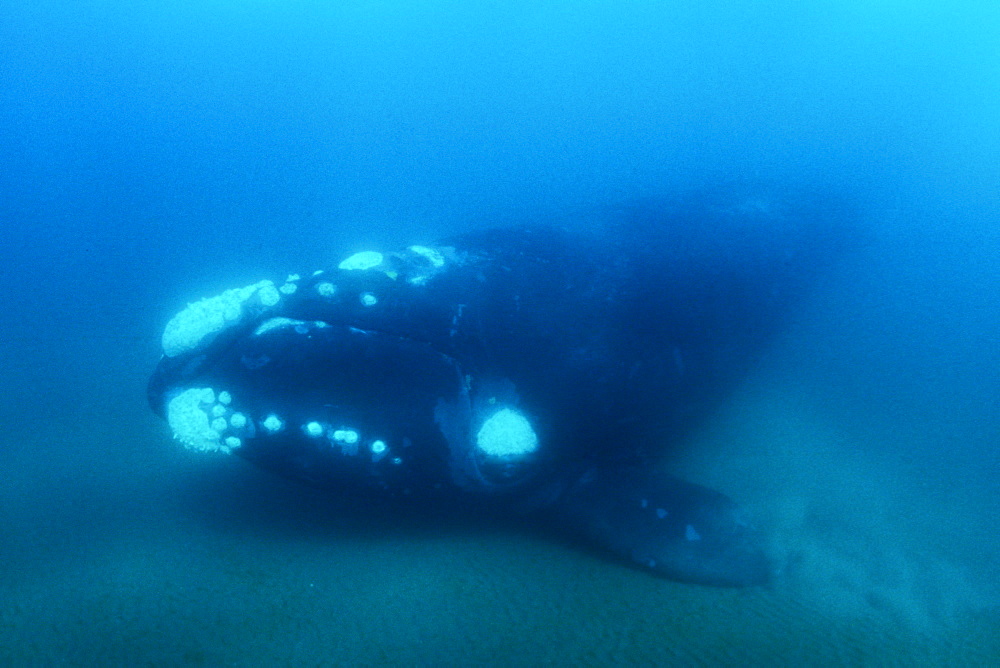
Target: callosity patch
{"points": [[202, 321], [506, 433], [362, 261], [206, 422]]}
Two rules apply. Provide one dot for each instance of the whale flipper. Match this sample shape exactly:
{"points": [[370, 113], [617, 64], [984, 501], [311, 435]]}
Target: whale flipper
{"points": [[675, 528]]}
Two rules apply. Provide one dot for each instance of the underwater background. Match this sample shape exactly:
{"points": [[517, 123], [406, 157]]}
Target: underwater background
{"points": [[153, 153]]}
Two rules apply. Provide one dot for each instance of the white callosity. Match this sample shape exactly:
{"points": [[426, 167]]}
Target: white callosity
{"points": [[506, 433], [272, 424], [201, 321], [379, 450], [348, 436], [198, 417], [300, 326], [432, 255], [361, 261], [314, 429], [347, 439], [431, 262], [275, 323], [289, 287], [188, 416], [418, 264]]}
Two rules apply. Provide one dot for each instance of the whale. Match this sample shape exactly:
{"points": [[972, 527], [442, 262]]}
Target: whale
{"points": [[546, 368]]}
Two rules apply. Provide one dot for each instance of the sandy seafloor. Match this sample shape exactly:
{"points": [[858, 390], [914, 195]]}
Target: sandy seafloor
{"points": [[120, 548]]}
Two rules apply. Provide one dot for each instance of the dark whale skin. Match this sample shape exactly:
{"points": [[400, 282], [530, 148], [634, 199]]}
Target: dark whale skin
{"points": [[544, 368]]}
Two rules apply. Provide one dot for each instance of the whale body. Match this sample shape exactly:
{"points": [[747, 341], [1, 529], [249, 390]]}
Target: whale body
{"points": [[544, 368]]}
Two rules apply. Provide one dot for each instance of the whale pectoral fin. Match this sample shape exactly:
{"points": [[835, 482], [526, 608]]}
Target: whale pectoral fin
{"points": [[675, 528]]}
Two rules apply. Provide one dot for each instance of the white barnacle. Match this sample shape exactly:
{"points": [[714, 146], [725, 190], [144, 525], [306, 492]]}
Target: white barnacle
{"points": [[237, 420], [368, 299], [219, 424], [225, 397], [233, 442], [314, 429], [326, 289]]}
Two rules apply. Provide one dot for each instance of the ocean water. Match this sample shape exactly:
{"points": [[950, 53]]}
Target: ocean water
{"points": [[156, 153]]}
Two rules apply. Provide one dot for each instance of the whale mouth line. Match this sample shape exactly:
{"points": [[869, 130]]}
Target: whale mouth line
{"points": [[302, 327], [383, 336]]}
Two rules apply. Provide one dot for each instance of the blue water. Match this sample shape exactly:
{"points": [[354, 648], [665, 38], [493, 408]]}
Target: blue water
{"points": [[155, 153]]}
